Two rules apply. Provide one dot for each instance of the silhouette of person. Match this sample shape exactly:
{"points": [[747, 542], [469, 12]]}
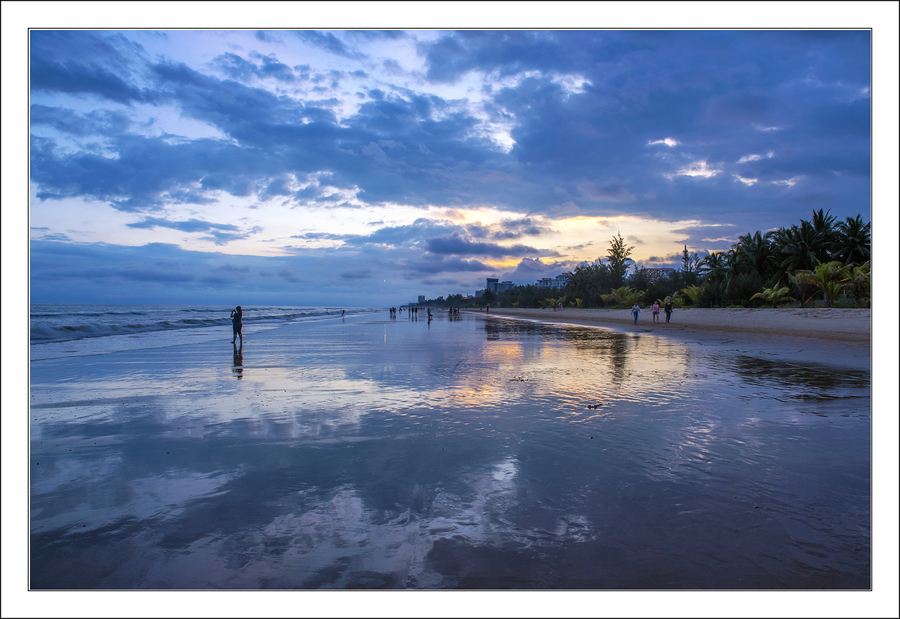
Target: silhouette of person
{"points": [[236, 324]]}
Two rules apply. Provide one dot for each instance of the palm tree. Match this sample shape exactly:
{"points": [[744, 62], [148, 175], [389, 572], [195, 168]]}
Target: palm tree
{"points": [[774, 295], [854, 241], [857, 281], [624, 295], [803, 284], [799, 247], [714, 267], [823, 224], [828, 277], [694, 293], [754, 254]]}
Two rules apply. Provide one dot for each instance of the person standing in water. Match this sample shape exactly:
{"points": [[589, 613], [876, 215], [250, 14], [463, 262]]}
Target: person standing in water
{"points": [[236, 324]]}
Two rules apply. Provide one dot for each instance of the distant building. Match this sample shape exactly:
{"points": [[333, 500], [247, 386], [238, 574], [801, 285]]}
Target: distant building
{"points": [[493, 284], [553, 282], [421, 298], [654, 274], [479, 293], [504, 286]]}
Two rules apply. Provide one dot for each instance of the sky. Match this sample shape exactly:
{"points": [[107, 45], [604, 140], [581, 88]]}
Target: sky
{"points": [[215, 165], [367, 167]]}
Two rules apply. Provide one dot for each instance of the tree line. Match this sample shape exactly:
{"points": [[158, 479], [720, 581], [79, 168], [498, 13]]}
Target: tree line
{"points": [[818, 260]]}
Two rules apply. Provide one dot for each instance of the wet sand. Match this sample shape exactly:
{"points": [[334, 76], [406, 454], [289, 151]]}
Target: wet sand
{"points": [[839, 336], [478, 453]]}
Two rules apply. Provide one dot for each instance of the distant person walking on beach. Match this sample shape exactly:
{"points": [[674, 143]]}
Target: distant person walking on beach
{"points": [[236, 324], [668, 309], [635, 309], [655, 308]]}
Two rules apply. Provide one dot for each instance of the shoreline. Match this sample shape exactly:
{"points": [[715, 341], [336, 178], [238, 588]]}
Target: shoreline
{"points": [[835, 336]]}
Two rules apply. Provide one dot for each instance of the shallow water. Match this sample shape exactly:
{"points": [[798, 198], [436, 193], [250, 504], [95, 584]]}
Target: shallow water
{"points": [[474, 452]]}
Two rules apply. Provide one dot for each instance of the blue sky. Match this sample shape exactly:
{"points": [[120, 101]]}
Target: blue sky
{"points": [[366, 167]]}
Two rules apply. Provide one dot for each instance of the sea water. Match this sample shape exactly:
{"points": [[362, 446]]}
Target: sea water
{"points": [[471, 452], [72, 330]]}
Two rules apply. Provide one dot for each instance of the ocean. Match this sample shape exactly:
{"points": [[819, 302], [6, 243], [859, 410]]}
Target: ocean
{"points": [[74, 330]]}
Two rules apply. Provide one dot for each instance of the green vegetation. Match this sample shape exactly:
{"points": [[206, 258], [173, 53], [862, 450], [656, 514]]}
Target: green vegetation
{"points": [[818, 261]]}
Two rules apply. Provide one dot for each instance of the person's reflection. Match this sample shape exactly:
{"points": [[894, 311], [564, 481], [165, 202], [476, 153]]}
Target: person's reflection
{"points": [[238, 360]]}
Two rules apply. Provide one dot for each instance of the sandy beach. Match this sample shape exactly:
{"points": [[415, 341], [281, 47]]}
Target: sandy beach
{"points": [[837, 335]]}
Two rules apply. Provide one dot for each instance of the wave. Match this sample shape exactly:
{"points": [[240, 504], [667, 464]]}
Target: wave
{"points": [[64, 326]]}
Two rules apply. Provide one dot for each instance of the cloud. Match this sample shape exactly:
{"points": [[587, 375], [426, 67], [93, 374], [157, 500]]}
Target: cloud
{"points": [[529, 270], [747, 158], [241, 69], [608, 192], [327, 41], [698, 168], [191, 225], [457, 245], [536, 124], [667, 141]]}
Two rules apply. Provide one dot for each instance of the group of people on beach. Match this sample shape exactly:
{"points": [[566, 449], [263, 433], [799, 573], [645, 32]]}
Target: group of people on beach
{"points": [[636, 309]]}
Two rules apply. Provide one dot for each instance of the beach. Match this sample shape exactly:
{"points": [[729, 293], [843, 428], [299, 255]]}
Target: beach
{"points": [[825, 335], [517, 449]]}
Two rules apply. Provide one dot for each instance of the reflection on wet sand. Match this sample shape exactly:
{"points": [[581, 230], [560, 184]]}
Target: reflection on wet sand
{"points": [[474, 452], [238, 359]]}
